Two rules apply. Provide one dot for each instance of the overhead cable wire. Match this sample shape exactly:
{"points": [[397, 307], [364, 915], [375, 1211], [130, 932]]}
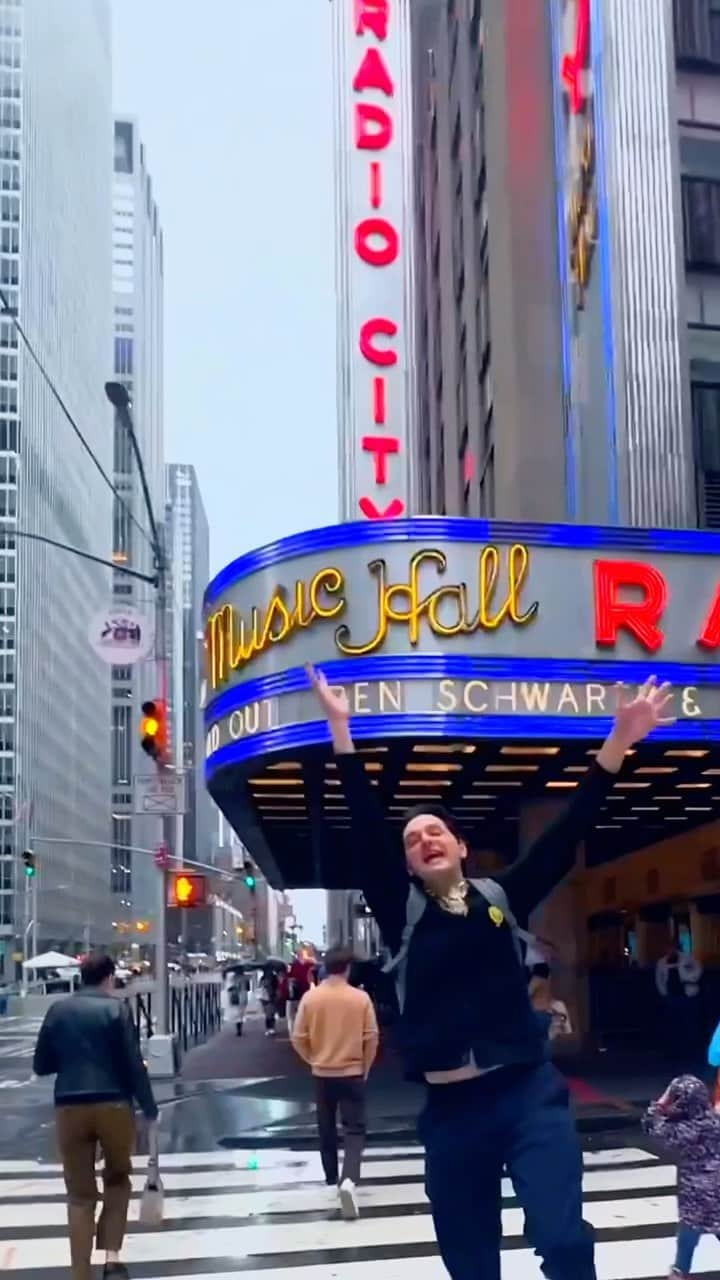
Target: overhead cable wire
{"points": [[9, 312]]}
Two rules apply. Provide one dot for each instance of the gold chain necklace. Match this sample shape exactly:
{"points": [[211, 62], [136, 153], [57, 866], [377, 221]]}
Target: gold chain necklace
{"points": [[454, 901]]}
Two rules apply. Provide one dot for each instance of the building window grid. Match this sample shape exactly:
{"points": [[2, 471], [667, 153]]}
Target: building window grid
{"points": [[121, 857], [121, 745]]}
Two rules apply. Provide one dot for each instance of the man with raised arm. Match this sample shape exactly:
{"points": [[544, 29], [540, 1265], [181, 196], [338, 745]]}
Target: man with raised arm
{"points": [[468, 1029]]}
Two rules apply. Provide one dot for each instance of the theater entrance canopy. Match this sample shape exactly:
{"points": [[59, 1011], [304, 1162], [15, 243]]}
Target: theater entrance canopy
{"points": [[480, 660]]}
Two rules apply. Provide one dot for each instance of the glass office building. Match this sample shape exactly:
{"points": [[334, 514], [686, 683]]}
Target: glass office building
{"points": [[55, 210]]}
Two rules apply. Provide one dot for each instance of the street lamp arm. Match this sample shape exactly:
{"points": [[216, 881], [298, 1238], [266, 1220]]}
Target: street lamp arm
{"points": [[84, 555], [119, 397], [124, 848]]}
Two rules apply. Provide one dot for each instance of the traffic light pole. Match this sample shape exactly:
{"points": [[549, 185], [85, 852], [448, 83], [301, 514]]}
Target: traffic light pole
{"points": [[162, 656], [27, 925], [118, 395]]}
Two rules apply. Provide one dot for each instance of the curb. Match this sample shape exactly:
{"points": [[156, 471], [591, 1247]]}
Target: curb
{"points": [[295, 1140]]}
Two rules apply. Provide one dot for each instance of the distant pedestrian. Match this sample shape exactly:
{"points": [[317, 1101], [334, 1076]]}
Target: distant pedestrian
{"points": [[299, 976], [677, 977], [88, 1041], [336, 1033], [269, 984], [684, 1122], [237, 995]]}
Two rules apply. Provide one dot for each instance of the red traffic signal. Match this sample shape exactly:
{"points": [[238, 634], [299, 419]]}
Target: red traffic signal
{"points": [[153, 729], [187, 890]]}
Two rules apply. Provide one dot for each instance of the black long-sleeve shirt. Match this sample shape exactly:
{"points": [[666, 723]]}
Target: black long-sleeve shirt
{"points": [[466, 993]]}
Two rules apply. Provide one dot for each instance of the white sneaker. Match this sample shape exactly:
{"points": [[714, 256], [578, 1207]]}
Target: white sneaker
{"points": [[348, 1201]]}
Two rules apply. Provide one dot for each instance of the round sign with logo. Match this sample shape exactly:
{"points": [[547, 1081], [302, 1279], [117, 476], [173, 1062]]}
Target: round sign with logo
{"points": [[121, 636]]}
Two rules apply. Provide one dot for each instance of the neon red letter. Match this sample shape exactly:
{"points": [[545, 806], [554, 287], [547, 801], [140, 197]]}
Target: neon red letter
{"points": [[574, 63], [371, 330], [373, 127], [375, 184], [710, 634], [379, 405], [372, 15], [385, 231], [373, 74], [380, 447], [391, 512], [639, 617]]}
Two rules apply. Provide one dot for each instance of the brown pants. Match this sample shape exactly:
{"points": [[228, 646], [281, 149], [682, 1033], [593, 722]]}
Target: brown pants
{"points": [[80, 1129]]}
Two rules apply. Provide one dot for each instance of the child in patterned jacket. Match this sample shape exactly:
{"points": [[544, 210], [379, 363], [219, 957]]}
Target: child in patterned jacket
{"points": [[686, 1124]]}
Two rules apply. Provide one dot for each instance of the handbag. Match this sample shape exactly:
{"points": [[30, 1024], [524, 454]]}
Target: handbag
{"points": [[153, 1196]]}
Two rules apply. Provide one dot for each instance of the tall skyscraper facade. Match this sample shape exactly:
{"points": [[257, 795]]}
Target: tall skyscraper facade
{"points": [[137, 282], [55, 212], [188, 541]]}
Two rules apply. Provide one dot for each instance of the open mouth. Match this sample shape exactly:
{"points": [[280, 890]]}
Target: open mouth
{"points": [[434, 859]]}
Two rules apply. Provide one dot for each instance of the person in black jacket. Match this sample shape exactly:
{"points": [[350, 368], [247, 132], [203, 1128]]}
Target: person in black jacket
{"points": [[89, 1042], [467, 1027]]}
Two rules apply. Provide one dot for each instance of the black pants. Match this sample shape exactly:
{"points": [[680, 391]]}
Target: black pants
{"points": [[346, 1093], [269, 1011], [518, 1119]]}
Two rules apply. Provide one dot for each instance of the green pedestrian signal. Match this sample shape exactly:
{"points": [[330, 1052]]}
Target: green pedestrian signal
{"points": [[29, 863]]}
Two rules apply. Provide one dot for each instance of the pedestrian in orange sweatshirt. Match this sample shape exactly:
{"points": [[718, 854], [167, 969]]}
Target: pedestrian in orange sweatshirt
{"points": [[336, 1033]]}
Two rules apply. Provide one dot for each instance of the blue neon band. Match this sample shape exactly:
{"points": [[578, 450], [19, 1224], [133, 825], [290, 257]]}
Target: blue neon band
{"points": [[591, 728], [419, 666], [570, 425], [439, 529]]}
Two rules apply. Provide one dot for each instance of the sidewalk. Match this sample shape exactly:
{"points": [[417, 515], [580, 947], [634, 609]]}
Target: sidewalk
{"points": [[269, 1092], [268, 1072]]}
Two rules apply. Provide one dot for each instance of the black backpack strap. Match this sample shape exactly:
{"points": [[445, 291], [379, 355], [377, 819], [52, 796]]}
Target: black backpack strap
{"points": [[397, 965]]}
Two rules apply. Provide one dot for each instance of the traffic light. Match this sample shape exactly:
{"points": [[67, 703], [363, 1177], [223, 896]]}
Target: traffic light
{"points": [[153, 729], [187, 890], [250, 880], [29, 863]]}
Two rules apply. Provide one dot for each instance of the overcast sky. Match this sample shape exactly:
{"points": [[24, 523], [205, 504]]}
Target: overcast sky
{"points": [[233, 100]]}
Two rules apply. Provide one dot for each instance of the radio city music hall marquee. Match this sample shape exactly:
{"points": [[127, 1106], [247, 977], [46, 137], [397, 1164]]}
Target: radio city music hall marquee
{"points": [[514, 625], [373, 254]]}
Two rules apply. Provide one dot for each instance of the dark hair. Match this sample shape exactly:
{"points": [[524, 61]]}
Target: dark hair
{"points": [[96, 968], [434, 811], [338, 960]]}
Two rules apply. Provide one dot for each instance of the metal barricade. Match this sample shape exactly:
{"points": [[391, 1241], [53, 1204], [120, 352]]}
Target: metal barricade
{"points": [[195, 1008]]}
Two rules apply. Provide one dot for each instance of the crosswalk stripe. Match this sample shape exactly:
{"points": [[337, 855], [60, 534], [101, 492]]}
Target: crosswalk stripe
{"points": [[258, 1198], [272, 1158], [226, 1218]]}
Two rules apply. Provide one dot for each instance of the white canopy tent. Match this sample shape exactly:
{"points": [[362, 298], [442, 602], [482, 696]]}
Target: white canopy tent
{"points": [[51, 960]]}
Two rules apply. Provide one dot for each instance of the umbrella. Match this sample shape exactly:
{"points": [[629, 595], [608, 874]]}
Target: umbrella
{"points": [[51, 960]]}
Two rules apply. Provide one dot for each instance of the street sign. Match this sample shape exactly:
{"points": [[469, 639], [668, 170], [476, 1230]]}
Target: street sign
{"points": [[162, 857], [121, 636], [162, 794]]}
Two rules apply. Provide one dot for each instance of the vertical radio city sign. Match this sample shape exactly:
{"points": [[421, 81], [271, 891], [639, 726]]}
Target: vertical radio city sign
{"points": [[374, 255], [576, 79]]}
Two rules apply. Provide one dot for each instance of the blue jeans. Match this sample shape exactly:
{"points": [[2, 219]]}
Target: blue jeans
{"points": [[687, 1242], [517, 1119]]}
